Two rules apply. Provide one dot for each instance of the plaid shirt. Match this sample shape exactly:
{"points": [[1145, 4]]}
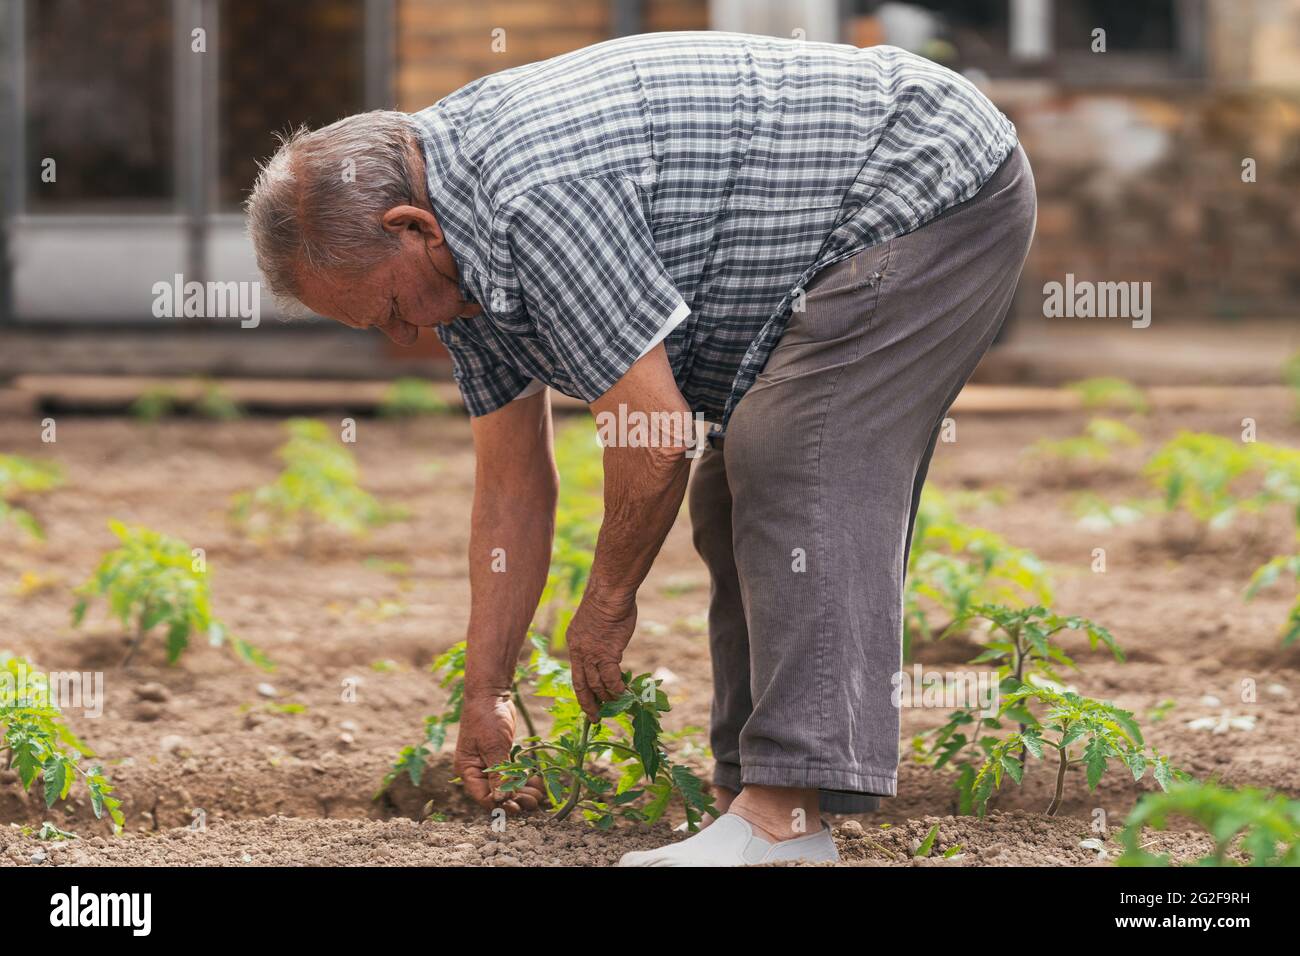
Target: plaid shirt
{"points": [[702, 177]]}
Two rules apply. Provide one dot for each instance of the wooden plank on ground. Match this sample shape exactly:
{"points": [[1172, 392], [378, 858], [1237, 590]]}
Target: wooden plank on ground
{"points": [[109, 393]]}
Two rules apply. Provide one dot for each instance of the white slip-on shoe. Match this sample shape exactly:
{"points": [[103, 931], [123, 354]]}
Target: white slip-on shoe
{"points": [[731, 841]]}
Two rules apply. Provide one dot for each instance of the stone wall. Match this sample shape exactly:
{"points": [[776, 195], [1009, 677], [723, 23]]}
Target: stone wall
{"points": [[1149, 187]]}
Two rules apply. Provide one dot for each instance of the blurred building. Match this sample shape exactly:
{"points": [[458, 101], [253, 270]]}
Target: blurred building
{"points": [[1166, 148]]}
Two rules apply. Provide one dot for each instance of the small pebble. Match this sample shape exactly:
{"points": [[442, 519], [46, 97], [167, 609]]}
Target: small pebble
{"points": [[266, 690], [153, 692], [148, 711]]}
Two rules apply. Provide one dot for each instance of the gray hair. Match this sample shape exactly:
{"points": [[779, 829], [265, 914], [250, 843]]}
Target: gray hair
{"points": [[318, 202]]}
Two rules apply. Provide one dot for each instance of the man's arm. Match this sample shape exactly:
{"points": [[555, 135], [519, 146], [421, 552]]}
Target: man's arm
{"points": [[643, 493], [515, 488]]}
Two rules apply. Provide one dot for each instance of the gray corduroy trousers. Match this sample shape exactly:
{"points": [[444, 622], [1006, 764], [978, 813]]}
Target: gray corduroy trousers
{"points": [[803, 514]]}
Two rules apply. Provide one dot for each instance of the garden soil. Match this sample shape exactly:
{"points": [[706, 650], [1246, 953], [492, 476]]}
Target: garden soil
{"points": [[218, 763]]}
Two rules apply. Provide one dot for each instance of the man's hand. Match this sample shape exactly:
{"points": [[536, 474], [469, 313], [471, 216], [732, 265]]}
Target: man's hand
{"points": [[487, 732], [597, 637]]}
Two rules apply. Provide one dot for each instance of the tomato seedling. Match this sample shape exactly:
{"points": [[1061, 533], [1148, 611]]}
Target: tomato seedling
{"points": [[1263, 827], [155, 581], [162, 401], [1081, 731], [1268, 574], [1100, 438], [39, 744], [154, 404], [627, 737], [215, 402], [1215, 479], [1022, 643], [318, 485], [450, 665], [20, 479], [1021, 647], [411, 398], [1110, 394], [954, 566]]}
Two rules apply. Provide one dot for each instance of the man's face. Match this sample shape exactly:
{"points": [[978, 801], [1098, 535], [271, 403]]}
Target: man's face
{"points": [[417, 286]]}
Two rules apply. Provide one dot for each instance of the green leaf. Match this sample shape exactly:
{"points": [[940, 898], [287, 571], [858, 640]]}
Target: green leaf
{"points": [[927, 845], [26, 760], [28, 523], [645, 740], [694, 800], [1125, 719], [56, 779], [178, 638], [251, 654], [1162, 773], [1033, 742], [1136, 763], [1014, 768], [1094, 755]]}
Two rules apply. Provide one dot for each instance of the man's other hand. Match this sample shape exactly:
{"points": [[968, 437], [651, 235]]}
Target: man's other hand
{"points": [[597, 637], [487, 732]]}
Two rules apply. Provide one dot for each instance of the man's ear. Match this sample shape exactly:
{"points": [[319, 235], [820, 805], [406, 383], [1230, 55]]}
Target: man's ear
{"points": [[404, 218]]}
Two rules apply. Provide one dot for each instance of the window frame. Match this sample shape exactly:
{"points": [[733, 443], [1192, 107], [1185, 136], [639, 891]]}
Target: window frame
{"points": [[194, 202]]}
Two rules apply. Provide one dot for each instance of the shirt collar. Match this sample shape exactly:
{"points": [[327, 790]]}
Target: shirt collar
{"points": [[450, 192]]}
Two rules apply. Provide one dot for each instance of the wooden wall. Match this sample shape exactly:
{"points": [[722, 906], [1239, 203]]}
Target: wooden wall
{"points": [[444, 44]]}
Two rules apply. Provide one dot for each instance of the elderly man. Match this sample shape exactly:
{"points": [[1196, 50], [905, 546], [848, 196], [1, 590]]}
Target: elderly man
{"points": [[810, 246]]}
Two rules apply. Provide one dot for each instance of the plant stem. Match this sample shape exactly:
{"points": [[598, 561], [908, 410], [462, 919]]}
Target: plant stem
{"points": [[1020, 670], [1063, 763], [135, 646], [1020, 656], [576, 792], [523, 710]]}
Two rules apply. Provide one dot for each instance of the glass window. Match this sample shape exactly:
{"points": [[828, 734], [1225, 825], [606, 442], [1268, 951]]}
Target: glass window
{"points": [[282, 63], [1155, 41], [99, 104], [1148, 27]]}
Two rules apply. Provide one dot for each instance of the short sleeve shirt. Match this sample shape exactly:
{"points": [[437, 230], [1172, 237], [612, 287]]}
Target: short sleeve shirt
{"points": [[694, 181]]}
